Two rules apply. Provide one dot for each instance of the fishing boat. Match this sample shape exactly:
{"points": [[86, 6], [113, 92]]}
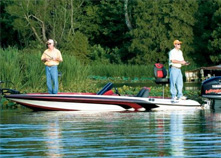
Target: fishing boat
{"points": [[211, 90], [104, 100]]}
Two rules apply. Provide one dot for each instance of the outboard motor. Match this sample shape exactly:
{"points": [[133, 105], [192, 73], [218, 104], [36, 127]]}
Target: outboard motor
{"points": [[211, 89]]}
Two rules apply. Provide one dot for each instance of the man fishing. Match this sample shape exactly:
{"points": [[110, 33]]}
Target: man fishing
{"points": [[176, 60], [51, 58]]}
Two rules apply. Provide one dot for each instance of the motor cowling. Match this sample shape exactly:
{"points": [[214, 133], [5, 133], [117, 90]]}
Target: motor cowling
{"points": [[211, 87]]}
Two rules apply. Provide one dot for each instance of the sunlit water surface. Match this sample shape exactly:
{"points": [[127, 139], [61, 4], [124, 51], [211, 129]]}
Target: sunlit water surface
{"points": [[113, 134]]}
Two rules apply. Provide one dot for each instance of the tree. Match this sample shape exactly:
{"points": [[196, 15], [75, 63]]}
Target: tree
{"points": [[214, 44], [157, 25], [105, 26], [8, 36], [127, 16], [39, 20], [125, 31], [203, 30]]}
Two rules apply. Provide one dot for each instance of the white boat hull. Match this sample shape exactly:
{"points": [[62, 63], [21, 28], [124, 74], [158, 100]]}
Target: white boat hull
{"points": [[73, 102], [66, 106]]}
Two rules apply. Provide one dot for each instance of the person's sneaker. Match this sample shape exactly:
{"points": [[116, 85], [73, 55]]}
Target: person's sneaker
{"points": [[182, 98], [174, 100]]}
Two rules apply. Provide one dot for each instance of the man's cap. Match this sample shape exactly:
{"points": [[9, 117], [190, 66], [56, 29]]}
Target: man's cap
{"points": [[50, 41], [177, 42]]}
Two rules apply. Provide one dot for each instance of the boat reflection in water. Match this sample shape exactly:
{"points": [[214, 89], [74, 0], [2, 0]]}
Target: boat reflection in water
{"points": [[53, 139], [177, 133]]}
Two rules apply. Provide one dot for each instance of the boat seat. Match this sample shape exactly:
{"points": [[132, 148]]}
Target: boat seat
{"points": [[160, 74], [144, 92], [106, 88], [162, 80], [109, 92]]}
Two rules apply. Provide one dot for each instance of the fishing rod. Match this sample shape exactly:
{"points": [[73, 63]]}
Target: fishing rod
{"points": [[48, 56]]}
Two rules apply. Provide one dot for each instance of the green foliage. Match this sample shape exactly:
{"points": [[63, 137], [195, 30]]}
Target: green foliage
{"points": [[27, 72], [207, 33], [77, 45], [78, 25], [11, 67], [215, 42], [74, 75], [111, 23], [99, 54], [157, 92], [6, 104], [23, 70], [90, 21], [32, 71], [39, 20], [121, 70], [8, 35], [104, 24], [158, 24]]}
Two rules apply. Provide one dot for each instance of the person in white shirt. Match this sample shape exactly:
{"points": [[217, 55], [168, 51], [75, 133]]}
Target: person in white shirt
{"points": [[176, 61]]}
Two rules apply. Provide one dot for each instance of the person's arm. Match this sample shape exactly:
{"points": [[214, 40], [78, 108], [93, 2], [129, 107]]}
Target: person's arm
{"points": [[59, 57], [44, 58], [180, 62]]}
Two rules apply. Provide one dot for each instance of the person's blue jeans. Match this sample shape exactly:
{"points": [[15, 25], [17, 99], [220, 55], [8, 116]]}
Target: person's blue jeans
{"points": [[52, 79], [176, 82]]}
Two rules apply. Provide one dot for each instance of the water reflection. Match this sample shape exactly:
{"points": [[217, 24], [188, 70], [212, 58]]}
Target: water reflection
{"points": [[143, 134], [177, 135], [53, 141]]}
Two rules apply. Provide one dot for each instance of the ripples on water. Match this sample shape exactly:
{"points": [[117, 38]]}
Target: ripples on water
{"points": [[113, 134]]}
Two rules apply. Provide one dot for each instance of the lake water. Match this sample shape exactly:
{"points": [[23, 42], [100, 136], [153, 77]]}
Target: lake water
{"points": [[25, 133]]}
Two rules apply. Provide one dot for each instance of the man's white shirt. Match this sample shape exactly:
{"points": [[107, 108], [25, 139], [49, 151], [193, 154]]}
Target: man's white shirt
{"points": [[175, 54]]}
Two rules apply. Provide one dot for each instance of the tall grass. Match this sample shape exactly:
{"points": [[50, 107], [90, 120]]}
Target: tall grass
{"points": [[22, 69], [74, 75], [33, 72], [10, 67], [27, 72]]}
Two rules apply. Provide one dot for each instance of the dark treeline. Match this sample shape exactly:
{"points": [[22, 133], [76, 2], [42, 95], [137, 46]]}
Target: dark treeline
{"points": [[116, 31]]}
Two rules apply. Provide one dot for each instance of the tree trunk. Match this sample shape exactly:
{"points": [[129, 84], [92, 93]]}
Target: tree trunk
{"points": [[33, 29], [127, 19]]}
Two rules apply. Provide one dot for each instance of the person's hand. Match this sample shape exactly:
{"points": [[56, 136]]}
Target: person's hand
{"points": [[183, 62], [187, 63], [55, 59], [45, 59]]}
